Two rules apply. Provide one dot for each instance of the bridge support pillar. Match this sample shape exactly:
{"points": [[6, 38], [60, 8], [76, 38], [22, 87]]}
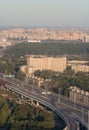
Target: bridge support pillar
{"points": [[21, 96], [7, 89], [37, 104], [32, 102], [13, 92], [78, 127]]}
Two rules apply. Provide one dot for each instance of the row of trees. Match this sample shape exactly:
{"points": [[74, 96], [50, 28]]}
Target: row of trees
{"points": [[73, 48], [12, 68], [24, 116], [64, 80]]}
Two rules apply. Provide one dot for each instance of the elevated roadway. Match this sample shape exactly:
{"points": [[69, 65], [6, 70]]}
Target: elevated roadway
{"points": [[64, 107]]}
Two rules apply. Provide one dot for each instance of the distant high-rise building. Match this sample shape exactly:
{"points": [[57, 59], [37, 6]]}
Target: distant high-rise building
{"points": [[87, 38]]}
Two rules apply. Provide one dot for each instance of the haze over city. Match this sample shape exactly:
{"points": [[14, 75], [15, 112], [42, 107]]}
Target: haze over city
{"points": [[44, 64], [60, 13]]}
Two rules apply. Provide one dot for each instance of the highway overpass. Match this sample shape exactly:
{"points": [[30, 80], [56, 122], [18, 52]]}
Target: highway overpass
{"points": [[71, 113]]}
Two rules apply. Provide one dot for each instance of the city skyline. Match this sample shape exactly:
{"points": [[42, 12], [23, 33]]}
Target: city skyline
{"points": [[70, 13]]}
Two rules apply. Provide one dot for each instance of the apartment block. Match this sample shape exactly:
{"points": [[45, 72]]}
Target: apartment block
{"points": [[78, 66], [79, 95], [45, 63]]}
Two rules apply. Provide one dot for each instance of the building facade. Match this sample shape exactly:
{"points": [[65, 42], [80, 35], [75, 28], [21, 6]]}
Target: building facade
{"points": [[79, 95], [79, 66], [45, 63]]}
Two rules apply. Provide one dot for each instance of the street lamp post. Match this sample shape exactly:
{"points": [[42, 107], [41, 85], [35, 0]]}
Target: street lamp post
{"points": [[27, 79], [77, 125], [59, 96], [46, 87], [82, 118], [33, 84], [74, 100], [22, 84]]}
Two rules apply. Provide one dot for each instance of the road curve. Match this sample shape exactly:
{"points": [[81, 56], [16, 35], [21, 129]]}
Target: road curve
{"points": [[66, 111]]}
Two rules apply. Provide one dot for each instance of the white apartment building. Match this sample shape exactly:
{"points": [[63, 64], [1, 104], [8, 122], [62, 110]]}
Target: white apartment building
{"points": [[87, 38], [79, 66], [79, 95], [45, 63]]}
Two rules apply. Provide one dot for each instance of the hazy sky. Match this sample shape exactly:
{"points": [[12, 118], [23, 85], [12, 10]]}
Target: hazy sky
{"points": [[44, 13]]}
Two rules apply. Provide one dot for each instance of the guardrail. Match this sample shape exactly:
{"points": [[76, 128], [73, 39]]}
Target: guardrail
{"points": [[45, 101], [41, 101]]}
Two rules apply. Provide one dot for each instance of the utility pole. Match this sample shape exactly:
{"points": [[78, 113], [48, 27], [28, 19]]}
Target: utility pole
{"points": [[78, 128]]}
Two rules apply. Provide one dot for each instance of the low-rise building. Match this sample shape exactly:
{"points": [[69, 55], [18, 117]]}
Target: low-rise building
{"points": [[23, 68], [79, 95], [78, 66]]}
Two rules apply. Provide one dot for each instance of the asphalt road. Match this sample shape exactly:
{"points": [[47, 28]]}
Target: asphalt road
{"points": [[73, 113]]}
